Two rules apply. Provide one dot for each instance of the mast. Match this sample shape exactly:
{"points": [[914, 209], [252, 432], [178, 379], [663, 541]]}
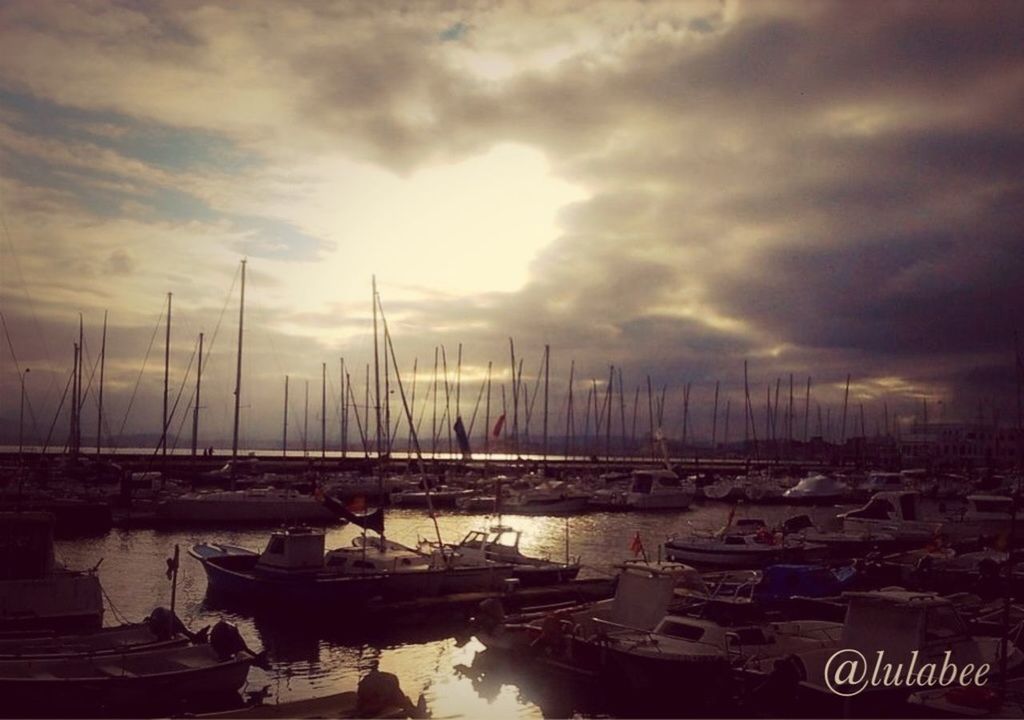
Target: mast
{"points": [[622, 413], [515, 398], [846, 400], [167, 373], [195, 407], [376, 370], [323, 411], [433, 417], [73, 407], [305, 424], [238, 376], [343, 409], [80, 395], [714, 418], [650, 413], [547, 368], [487, 414], [608, 427], [99, 399], [807, 409], [569, 418], [284, 429]]}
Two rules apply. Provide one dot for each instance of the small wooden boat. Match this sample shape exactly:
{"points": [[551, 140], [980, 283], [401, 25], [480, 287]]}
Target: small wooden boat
{"points": [[136, 682], [134, 637]]}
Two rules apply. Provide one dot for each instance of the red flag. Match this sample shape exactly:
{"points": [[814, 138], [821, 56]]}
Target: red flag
{"points": [[637, 546], [498, 426]]}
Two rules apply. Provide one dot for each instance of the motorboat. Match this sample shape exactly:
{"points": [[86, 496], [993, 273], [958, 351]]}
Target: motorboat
{"points": [[841, 543], [984, 516], [747, 544], [817, 489], [902, 627], [36, 592], [253, 506], [294, 568], [548, 497], [895, 513], [659, 489], [501, 545]]}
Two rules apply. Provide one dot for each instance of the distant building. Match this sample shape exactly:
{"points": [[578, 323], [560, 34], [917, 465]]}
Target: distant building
{"points": [[962, 445]]}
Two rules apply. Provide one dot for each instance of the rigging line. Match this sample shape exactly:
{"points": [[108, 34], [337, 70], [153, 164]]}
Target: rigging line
{"points": [[359, 424], [56, 415], [17, 367], [156, 451], [472, 420], [184, 380], [124, 421], [533, 394], [47, 355]]}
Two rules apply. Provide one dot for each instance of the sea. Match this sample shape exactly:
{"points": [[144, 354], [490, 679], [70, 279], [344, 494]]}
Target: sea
{"points": [[310, 657]]}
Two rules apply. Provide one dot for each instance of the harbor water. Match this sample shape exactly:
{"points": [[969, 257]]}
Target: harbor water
{"points": [[314, 656]]}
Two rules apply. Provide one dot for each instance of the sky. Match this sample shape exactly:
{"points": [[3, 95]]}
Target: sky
{"points": [[820, 189]]}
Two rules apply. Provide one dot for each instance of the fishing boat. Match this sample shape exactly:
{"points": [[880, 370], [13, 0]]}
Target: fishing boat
{"points": [[896, 513], [659, 489], [160, 630], [142, 682], [817, 489], [36, 592], [253, 506]]}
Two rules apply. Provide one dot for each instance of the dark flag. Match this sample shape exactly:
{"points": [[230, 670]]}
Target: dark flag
{"points": [[371, 521], [460, 434], [498, 426]]}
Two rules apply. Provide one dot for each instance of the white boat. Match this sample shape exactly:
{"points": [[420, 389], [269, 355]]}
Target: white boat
{"points": [[877, 482], [727, 489], [739, 548], [659, 489], [549, 497], [814, 489], [36, 592], [983, 516], [501, 545], [251, 506], [896, 624], [892, 513], [845, 543]]}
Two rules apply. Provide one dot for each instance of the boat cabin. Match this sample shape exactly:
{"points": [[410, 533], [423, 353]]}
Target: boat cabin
{"points": [[899, 622], [985, 507], [883, 481], [500, 542], [889, 506], [298, 548], [649, 482]]}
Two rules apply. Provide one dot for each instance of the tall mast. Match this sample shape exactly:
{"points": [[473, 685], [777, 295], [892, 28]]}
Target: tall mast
{"points": [[323, 411], [650, 413], [238, 375], [547, 367], [807, 409], [622, 413], [305, 424], [376, 365], [515, 398], [846, 400], [714, 418], [608, 427], [80, 395], [99, 399], [487, 414], [195, 408], [73, 406], [433, 417], [569, 414], [167, 372], [343, 419], [284, 431]]}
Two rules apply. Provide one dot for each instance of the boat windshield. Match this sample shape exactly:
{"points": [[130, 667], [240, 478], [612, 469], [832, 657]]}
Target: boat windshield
{"points": [[681, 630]]}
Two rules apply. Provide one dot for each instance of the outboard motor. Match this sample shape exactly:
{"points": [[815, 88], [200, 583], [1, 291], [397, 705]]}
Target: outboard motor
{"points": [[165, 624], [226, 641], [490, 615]]}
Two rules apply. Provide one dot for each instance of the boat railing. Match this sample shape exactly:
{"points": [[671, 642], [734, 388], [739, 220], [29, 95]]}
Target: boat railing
{"points": [[649, 635]]}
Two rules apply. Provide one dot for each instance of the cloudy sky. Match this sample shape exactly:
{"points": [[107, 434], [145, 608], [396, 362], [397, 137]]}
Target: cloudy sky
{"points": [[671, 188]]}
